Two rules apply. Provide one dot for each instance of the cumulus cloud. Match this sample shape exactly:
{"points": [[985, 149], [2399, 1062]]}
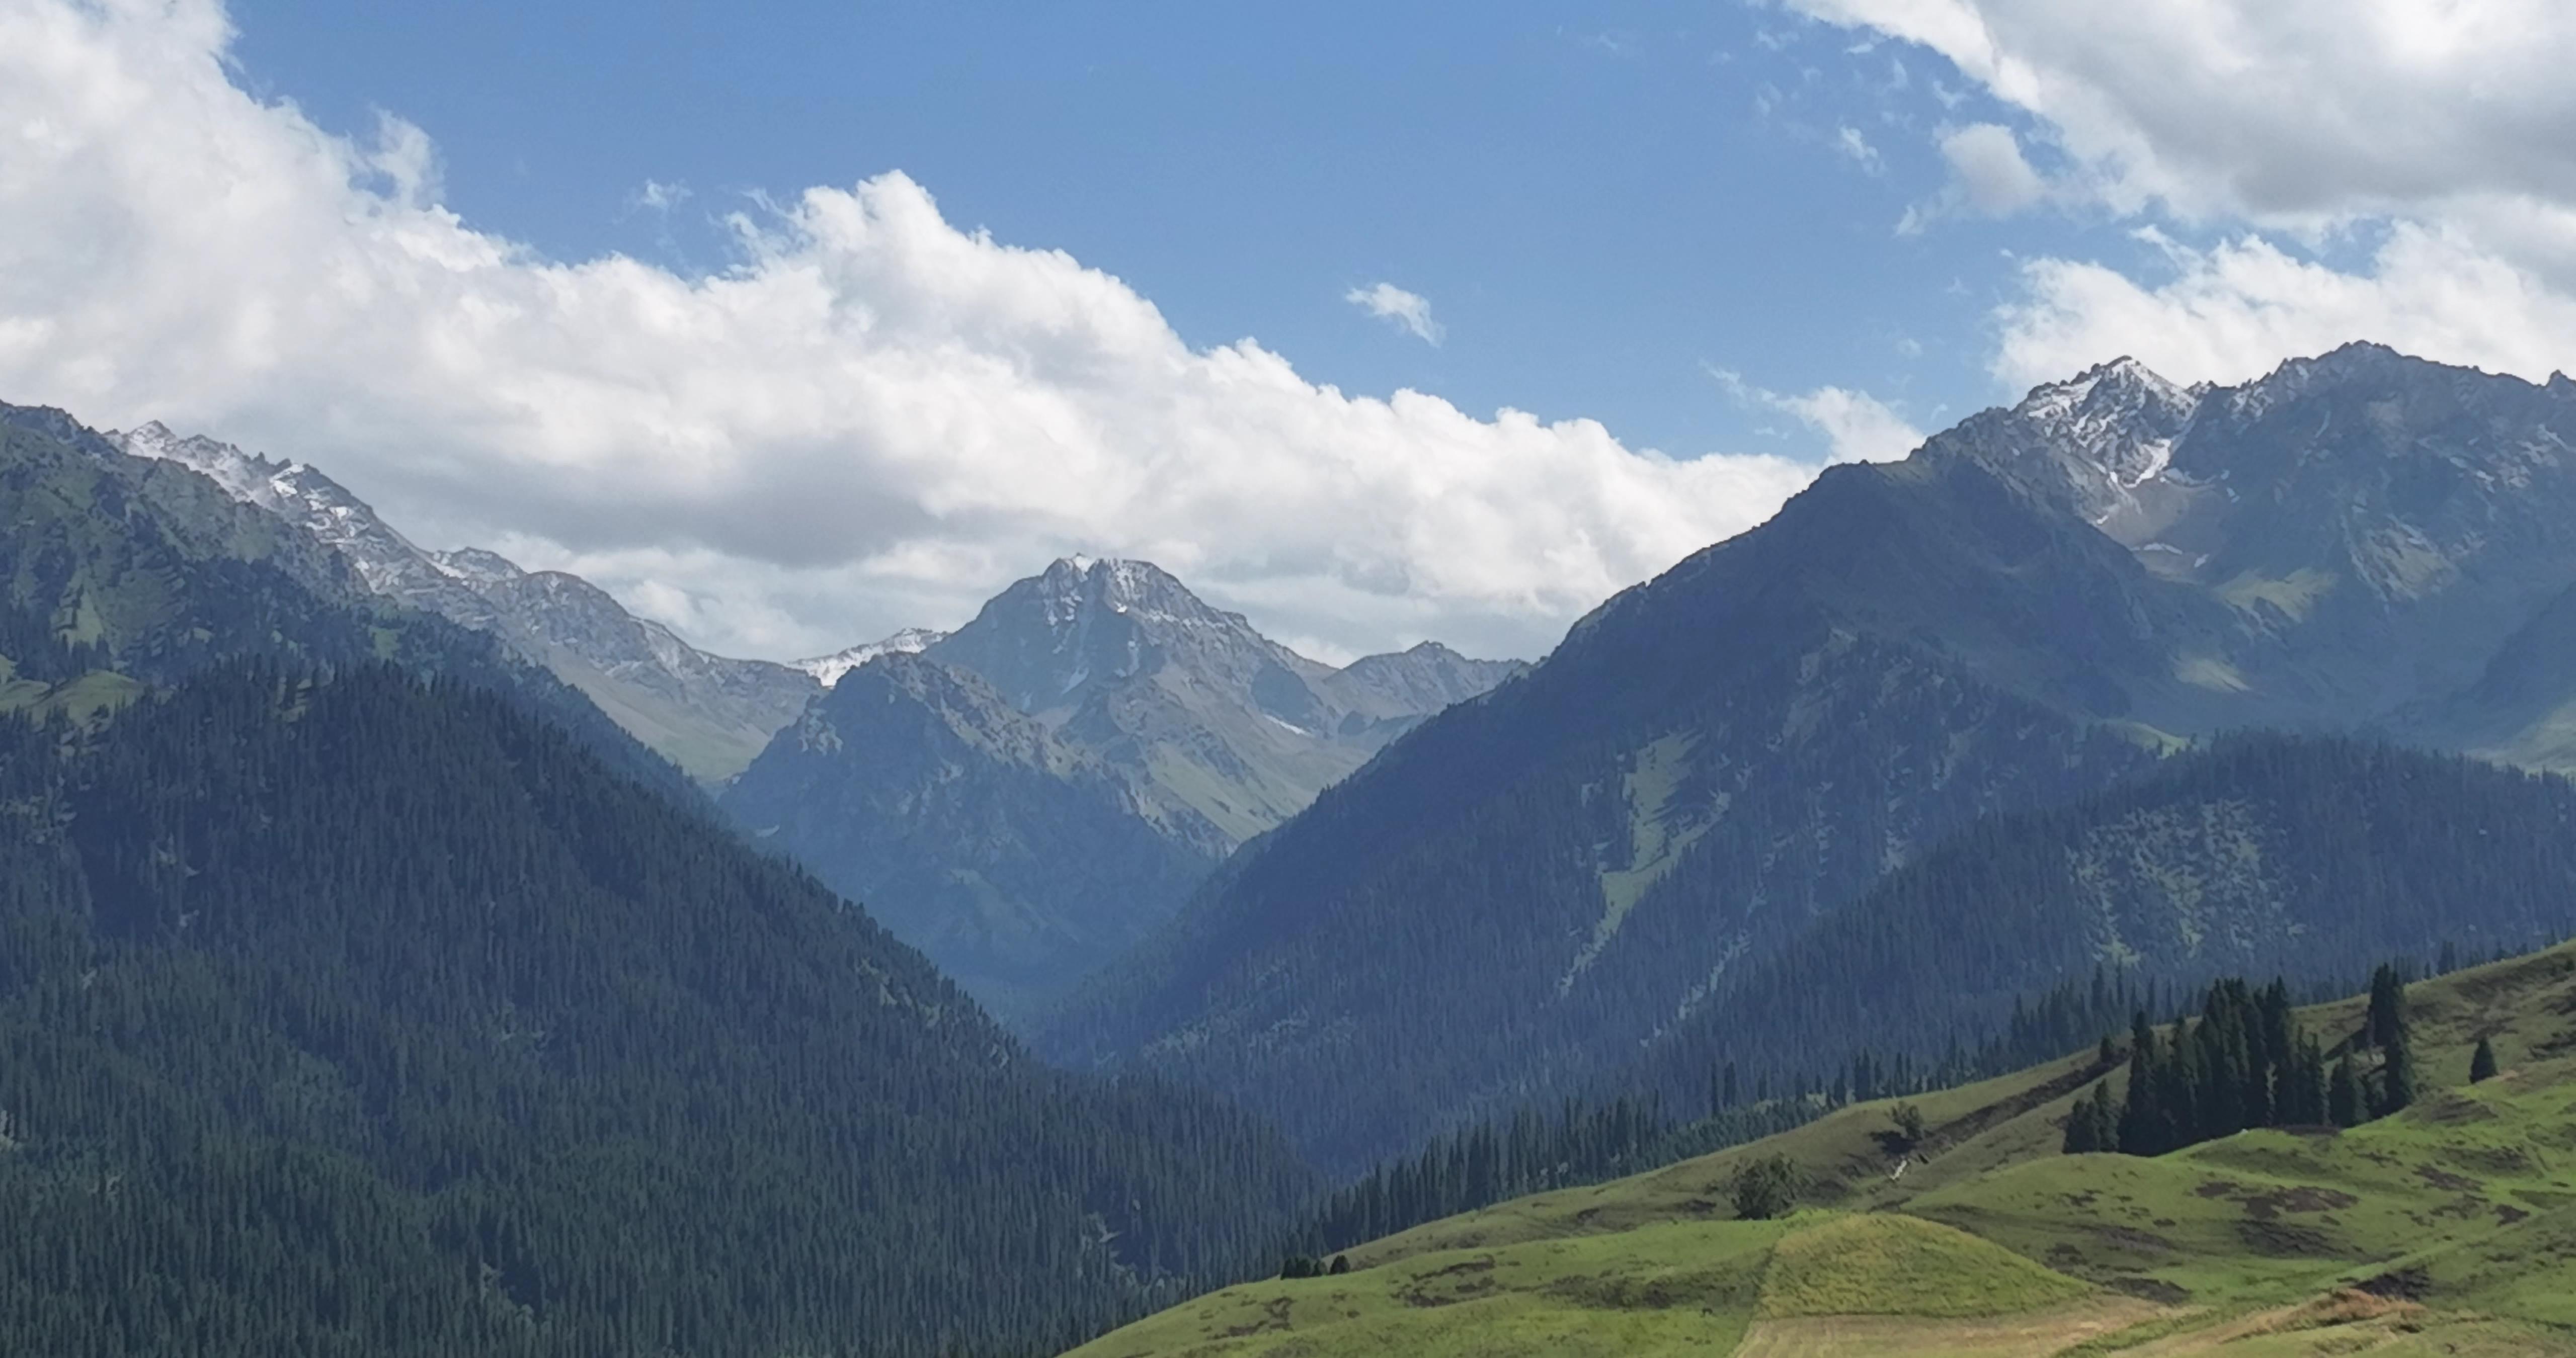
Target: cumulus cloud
{"points": [[2274, 109], [2235, 310], [869, 418], [1856, 426], [2434, 129], [1987, 161], [1409, 310], [1988, 177]]}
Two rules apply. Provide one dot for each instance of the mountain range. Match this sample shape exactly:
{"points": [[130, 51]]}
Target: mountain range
{"points": [[345, 914], [1098, 715], [2032, 608]]}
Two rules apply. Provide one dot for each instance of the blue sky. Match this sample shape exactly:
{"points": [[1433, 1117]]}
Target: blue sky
{"points": [[1600, 201], [795, 325]]}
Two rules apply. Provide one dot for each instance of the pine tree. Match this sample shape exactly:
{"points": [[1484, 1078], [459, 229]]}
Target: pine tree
{"points": [[2082, 1137], [2307, 1089], [2343, 1096], [2397, 1075], [2482, 1062], [2387, 1007], [2140, 1118]]}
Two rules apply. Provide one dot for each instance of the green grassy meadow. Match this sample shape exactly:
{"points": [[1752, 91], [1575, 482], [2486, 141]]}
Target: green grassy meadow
{"points": [[2447, 1229]]}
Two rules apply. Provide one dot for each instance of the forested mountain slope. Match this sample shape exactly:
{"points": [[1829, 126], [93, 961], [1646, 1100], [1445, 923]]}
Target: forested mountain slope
{"points": [[1524, 888], [362, 1017], [2311, 858], [2019, 615]]}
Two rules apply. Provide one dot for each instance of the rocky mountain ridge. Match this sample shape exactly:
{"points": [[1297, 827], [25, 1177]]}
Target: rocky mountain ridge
{"points": [[707, 713]]}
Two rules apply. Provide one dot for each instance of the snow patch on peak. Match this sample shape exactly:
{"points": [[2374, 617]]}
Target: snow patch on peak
{"points": [[828, 669], [475, 566]]}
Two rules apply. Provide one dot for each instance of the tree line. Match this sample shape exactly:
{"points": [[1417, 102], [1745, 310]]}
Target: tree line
{"points": [[2246, 1062]]}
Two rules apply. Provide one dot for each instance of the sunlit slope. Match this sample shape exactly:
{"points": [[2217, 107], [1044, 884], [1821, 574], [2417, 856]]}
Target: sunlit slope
{"points": [[1670, 1287], [2450, 1228]]}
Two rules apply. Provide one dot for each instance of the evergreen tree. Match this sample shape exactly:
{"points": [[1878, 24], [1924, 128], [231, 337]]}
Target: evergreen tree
{"points": [[2482, 1062], [2387, 1014], [2397, 1074], [2343, 1096], [2082, 1138]]}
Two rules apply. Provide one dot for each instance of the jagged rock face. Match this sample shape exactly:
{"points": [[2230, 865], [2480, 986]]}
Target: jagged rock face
{"points": [[2094, 445], [387, 561], [707, 713], [1224, 732], [2374, 526]]}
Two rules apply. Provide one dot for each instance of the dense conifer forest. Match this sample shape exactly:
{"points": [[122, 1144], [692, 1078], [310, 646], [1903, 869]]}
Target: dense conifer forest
{"points": [[365, 1016]]}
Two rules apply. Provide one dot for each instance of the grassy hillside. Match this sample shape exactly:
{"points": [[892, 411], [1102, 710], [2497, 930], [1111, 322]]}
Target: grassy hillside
{"points": [[2449, 1228]]}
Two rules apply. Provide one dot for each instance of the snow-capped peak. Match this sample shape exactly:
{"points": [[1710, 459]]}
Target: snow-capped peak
{"points": [[2120, 418], [243, 476], [475, 566], [828, 669]]}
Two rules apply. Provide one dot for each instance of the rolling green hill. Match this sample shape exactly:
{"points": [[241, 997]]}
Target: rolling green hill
{"points": [[2447, 1228]]}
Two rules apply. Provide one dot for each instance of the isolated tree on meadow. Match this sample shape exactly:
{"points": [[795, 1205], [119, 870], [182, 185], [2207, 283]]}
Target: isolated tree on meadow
{"points": [[1909, 1123], [2482, 1062], [1768, 1188]]}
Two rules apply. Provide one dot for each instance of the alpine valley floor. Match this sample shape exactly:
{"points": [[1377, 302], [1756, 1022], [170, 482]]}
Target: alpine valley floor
{"points": [[2449, 1228]]}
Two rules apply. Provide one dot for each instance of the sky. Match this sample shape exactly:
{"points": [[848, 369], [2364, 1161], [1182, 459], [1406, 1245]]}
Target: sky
{"points": [[795, 323]]}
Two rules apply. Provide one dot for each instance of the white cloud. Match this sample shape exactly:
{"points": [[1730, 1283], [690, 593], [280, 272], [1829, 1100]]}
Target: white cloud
{"points": [[1988, 178], [2273, 109], [1988, 164], [1856, 148], [1856, 426], [657, 196], [2436, 129], [872, 418], [1409, 310], [2234, 311]]}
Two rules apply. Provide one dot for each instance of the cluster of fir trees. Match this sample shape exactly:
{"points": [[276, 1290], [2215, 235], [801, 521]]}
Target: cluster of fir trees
{"points": [[364, 1016], [2247, 1062]]}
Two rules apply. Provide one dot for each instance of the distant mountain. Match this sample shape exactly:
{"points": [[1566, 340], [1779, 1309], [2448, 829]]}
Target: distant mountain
{"points": [[707, 713], [1219, 726], [124, 572], [828, 669], [2020, 615], [460, 1043], [1016, 857], [1026, 797]]}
